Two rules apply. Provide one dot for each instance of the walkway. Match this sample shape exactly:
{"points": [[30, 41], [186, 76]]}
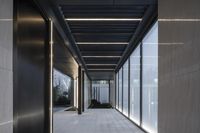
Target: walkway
{"points": [[93, 121]]}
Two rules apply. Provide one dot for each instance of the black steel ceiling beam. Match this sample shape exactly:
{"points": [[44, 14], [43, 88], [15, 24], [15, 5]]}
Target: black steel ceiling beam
{"points": [[102, 47], [101, 62], [108, 27], [103, 31], [97, 23], [104, 7], [51, 10], [102, 75], [105, 2], [105, 15], [100, 53], [101, 67], [92, 31], [103, 11], [149, 18], [102, 38]]}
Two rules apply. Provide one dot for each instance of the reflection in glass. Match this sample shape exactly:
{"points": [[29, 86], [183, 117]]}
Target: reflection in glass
{"points": [[120, 89], [135, 86], [125, 88], [61, 89], [117, 106], [100, 91], [150, 80]]}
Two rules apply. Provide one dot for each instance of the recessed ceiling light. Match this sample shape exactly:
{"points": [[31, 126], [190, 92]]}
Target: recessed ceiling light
{"points": [[124, 43], [101, 56], [102, 69], [100, 64], [103, 19]]}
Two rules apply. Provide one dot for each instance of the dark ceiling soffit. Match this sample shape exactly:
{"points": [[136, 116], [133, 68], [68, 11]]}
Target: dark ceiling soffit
{"points": [[148, 20], [104, 2], [52, 11]]}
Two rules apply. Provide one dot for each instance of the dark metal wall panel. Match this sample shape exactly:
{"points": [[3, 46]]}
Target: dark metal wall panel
{"points": [[30, 69], [79, 90], [63, 59], [53, 12]]}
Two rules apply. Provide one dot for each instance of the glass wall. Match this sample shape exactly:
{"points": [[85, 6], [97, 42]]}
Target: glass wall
{"points": [[62, 89], [87, 96], [100, 91], [125, 87], [143, 83], [117, 89], [135, 85], [150, 80], [120, 89]]}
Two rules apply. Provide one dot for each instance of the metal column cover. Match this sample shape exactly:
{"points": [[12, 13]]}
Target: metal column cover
{"points": [[79, 91]]}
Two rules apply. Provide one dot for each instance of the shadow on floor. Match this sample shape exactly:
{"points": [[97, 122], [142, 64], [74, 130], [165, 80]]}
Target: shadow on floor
{"points": [[97, 105]]}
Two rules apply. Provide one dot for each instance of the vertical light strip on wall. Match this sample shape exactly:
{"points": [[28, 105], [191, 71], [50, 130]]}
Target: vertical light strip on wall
{"points": [[77, 92], [51, 78]]}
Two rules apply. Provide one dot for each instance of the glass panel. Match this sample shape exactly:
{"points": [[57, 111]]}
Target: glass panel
{"points": [[117, 106], [150, 80], [135, 86], [100, 91], [120, 89], [61, 90], [86, 92], [125, 88]]}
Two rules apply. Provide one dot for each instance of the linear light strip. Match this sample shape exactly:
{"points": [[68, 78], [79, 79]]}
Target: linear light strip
{"points": [[124, 43], [179, 20], [51, 79], [5, 19], [4, 123], [100, 64], [101, 56], [102, 69], [103, 19]]}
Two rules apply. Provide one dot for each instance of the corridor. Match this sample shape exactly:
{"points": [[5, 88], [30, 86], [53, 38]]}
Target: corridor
{"points": [[119, 66], [93, 121]]}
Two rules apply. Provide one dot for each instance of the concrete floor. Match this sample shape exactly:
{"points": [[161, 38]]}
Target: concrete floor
{"points": [[93, 121]]}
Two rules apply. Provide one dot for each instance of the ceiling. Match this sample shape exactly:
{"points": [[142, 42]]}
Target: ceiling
{"points": [[103, 42]]}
